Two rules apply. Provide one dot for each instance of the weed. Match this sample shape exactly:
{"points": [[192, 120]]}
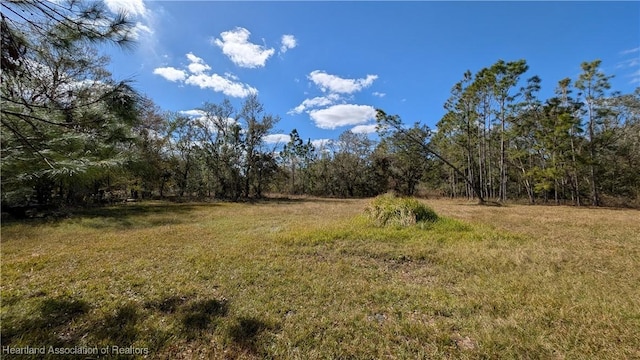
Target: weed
{"points": [[389, 210]]}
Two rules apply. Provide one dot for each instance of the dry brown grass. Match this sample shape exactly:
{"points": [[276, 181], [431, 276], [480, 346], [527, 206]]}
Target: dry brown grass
{"points": [[311, 278]]}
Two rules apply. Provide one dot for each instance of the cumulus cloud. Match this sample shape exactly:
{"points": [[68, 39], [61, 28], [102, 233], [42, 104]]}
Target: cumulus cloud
{"points": [[276, 138], [364, 129], [129, 7], [315, 102], [287, 42], [235, 44], [226, 84], [194, 59], [335, 84], [342, 115], [171, 74], [379, 94], [325, 110], [197, 65], [221, 84]]}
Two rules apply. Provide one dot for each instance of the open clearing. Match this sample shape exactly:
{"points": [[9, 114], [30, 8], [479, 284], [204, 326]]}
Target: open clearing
{"points": [[311, 278]]}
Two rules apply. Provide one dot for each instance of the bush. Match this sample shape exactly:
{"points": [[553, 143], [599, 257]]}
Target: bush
{"points": [[388, 209]]}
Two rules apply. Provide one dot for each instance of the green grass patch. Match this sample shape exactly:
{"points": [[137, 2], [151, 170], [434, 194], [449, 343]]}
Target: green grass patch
{"points": [[316, 279]]}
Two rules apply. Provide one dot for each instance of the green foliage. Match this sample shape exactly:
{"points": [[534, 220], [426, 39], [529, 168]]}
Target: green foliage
{"points": [[512, 144], [64, 121], [389, 210], [298, 156], [405, 161]]}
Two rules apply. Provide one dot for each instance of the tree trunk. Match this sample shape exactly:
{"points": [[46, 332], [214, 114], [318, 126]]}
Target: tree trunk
{"points": [[595, 200], [503, 164]]}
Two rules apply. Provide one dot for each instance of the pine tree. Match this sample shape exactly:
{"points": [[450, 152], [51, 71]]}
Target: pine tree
{"points": [[593, 83]]}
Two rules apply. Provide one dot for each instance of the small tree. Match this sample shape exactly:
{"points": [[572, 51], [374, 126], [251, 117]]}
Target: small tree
{"points": [[392, 123], [298, 155], [255, 165]]}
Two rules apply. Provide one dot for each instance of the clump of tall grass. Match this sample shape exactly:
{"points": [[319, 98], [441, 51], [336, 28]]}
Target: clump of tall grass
{"points": [[390, 210]]}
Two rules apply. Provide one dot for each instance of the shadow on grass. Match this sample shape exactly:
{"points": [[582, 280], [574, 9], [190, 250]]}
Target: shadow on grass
{"points": [[201, 316], [118, 328], [298, 199], [167, 305], [246, 333], [48, 326], [121, 216], [66, 322], [147, 214], [127, 216]]}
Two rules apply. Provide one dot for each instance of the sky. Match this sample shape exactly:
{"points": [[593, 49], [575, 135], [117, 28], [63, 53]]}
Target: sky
{"points": [[324, 67]]}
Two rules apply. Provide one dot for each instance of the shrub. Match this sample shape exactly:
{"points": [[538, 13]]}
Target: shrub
{"points": [[388, 209]]}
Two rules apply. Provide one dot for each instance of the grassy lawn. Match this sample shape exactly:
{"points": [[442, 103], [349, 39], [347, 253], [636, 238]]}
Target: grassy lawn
{"points": [[313, 279]]}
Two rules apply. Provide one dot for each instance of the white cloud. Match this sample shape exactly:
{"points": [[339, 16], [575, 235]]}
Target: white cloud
{"points": [[321, 143], [379, 94], [198, 68], [213, 123], [629, 63], [143, 21], [228, 84], [197, 65], [336, 84], [364, 129], [171, 74], [342, 115], [235, 44], [635, 77], [315, 102], [287, 42], [325, 111], [193, 113], [276, 138], [138, 30], [194, 59], [130, 7], [231, 76], [630, 51], [221, 84]]}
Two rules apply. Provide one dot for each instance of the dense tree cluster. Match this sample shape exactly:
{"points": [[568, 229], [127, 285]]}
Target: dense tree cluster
{"points": [[219, 154], [73, 135], [510, 144]]}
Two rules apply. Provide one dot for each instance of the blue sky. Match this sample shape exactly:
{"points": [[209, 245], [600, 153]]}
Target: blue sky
{"points": [[324, 66]]}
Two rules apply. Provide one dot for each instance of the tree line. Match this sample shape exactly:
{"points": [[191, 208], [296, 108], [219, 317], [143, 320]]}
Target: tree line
{"points": [[71, 134], [580, 146]]}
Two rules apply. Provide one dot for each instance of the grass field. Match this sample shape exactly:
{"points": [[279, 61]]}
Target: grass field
{"points": [[312, 278]]}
